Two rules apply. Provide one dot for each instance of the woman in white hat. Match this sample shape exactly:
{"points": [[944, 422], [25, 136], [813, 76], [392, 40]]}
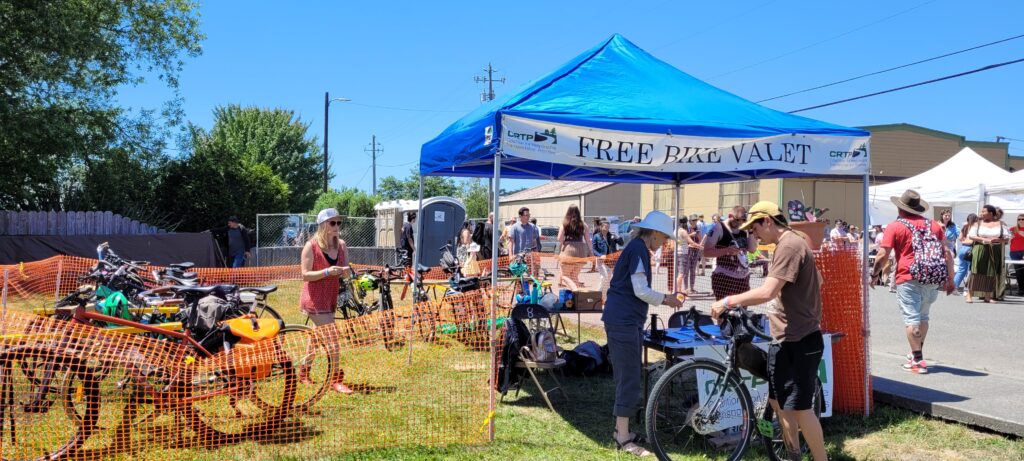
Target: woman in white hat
{"points": [[624, 315], [324, 261]]}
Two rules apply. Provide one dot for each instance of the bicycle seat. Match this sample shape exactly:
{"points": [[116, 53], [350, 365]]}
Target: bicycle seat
{"points": [[189, 290], [182, 266], [264, 290], [422, 269], [179, 281]]}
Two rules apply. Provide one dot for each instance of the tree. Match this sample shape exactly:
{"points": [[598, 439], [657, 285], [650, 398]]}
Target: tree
{"points": [[348, 202], [474, 195], [212, 183], [391, 188], [61, 64], [273, 137]]}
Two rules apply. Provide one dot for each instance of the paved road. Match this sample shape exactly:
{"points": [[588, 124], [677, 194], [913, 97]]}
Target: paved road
{"points": [[976, 369]]}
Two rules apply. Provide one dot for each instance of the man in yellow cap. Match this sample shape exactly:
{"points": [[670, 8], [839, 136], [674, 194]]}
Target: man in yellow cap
{"points": [[793, 293]]}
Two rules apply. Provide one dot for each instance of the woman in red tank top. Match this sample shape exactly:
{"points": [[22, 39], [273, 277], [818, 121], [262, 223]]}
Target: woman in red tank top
{"points": [[324, 260]]}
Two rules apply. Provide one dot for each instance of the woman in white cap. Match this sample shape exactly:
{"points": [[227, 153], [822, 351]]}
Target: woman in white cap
{"points": [[624, 315], [324, 261]]}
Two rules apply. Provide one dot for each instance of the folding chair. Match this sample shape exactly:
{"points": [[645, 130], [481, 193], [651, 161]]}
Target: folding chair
{"points": [[537, 318]]}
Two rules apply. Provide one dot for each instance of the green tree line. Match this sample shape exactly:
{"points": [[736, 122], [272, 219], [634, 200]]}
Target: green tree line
{"points": [[66, 143]]}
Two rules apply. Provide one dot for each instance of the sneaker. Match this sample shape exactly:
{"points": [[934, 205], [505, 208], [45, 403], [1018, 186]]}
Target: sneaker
{"points": [[919, 367], [341, 388]]}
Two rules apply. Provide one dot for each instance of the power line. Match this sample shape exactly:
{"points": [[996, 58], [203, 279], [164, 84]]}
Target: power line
{"points": [[712, 27], [961, 74], [825, 40], [406, 109], [892, 68]]}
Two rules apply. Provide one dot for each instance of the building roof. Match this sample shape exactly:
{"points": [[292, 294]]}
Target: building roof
{"points": [[555, 189]]}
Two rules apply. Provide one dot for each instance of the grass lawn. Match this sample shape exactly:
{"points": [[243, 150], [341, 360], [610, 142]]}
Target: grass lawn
{"points": [[418, 411]]}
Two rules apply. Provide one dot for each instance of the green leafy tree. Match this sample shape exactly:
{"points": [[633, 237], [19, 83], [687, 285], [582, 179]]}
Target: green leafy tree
{"points": [[276, 138], [474, 195], [212, 183], [61, 64], [392, 188], [348, 202]]}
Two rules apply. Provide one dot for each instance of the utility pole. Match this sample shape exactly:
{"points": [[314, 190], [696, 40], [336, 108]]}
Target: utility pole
{"points": [[485, 97], [327, 105], [373, 150], [489, 79]]}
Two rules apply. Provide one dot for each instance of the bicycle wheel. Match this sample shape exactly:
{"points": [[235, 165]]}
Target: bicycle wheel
{"points": [[770, 430], [392, 337], [29, 431], [307, 349], [264, 311], [241, 394], [698, 407]]}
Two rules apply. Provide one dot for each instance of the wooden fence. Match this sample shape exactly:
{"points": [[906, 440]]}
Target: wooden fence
{"points": [[71, 223]]}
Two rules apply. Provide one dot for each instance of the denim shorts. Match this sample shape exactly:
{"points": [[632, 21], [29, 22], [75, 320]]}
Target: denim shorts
{"points": [[916, 300]]}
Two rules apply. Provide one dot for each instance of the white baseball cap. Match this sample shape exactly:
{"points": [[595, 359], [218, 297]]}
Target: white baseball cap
{"points": [[325, 214]]}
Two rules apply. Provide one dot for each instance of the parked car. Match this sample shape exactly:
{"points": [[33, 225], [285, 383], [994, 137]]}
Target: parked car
{"points": [[548, 239]]}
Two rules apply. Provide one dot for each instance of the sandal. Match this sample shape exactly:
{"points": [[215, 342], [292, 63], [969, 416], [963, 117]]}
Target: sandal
{"points": [[341, 388], [630, 446]]}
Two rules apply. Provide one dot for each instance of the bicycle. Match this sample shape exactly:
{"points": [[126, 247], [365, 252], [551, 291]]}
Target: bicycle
{"points": [[249, 389], [706, 402]]}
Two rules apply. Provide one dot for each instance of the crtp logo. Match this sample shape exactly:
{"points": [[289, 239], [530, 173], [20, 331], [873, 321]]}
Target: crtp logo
{"points": [[856, 153], [548, 136]]}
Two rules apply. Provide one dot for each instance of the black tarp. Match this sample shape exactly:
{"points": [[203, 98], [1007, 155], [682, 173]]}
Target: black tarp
{"points": [[158, 249]]}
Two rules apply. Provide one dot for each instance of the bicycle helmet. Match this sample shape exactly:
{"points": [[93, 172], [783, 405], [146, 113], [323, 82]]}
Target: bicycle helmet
{"points": [[368, 282], [517, 268]]}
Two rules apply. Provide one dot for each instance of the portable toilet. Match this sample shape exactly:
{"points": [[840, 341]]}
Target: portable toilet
{"points": [[438, 223], [389, 220]]}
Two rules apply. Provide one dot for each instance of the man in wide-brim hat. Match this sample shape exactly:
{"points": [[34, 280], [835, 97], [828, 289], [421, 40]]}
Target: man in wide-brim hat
{"points": [[915, 293]]}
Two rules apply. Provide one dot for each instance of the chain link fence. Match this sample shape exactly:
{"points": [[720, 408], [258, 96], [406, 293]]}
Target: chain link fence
{"points": [[280, 237]]}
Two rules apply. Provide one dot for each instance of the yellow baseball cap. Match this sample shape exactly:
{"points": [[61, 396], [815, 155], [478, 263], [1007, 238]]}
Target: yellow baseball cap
{"points": [[761, 210]]}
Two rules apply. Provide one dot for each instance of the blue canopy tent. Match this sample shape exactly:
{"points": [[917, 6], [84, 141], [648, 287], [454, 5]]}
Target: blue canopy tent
{"points": [[615, 113]]}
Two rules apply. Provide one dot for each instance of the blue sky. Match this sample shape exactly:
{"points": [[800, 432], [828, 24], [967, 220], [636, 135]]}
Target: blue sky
{"points": [[422, 56]]}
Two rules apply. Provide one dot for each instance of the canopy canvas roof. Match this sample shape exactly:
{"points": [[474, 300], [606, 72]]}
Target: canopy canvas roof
{"points": [[959, 183], [616, 113]]}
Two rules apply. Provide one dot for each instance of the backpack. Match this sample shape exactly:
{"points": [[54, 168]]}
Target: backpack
{"points": [[542, 345], [929, 266], [515, 336]]}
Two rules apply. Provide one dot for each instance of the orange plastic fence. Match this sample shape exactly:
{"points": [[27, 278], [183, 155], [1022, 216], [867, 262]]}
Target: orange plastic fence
{"points": [[419, 372], [420, 376]]}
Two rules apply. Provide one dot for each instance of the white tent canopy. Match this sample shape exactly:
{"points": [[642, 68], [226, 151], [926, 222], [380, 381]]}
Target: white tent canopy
{"points": [[960, 183], [1007, 194]]}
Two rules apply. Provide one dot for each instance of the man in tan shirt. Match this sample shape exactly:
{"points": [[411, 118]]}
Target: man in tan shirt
{"points": [[793, 293]]}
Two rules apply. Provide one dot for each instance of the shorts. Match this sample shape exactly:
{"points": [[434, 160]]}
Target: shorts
{"points": [[793, 370], [915, 300]]}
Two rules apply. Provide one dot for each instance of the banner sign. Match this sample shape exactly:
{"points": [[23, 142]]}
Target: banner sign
{"points": [[627, 150], [731, 413]]}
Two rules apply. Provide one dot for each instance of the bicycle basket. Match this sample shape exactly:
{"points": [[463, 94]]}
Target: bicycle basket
{"points": [[368, 282]]}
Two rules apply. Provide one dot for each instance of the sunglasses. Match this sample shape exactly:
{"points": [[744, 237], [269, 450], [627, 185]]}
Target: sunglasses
{"points": [[334, 223]]}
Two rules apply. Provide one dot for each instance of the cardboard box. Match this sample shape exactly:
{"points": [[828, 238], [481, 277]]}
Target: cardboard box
{"points": [[588, 300]]}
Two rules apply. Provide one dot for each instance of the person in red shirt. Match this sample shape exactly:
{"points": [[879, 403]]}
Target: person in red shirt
{"points": [[1017, 250], [914, 297]]}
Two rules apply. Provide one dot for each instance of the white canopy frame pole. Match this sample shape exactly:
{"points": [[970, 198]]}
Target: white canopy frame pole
{"points": [[865, 281], [495, 254], [675, 238], [418, 238]]}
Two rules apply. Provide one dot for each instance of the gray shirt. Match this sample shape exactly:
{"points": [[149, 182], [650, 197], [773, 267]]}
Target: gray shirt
{"points": [[236, 246], [525, 237]]}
